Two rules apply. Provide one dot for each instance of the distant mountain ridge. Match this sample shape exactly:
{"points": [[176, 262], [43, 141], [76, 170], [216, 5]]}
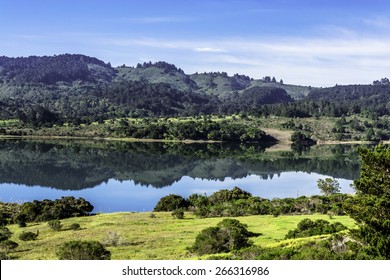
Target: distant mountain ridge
{"points": [[79, 86], [75, 67]]}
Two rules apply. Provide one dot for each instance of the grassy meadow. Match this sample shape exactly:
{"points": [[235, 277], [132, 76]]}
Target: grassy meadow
{"points": [[155, 236]]}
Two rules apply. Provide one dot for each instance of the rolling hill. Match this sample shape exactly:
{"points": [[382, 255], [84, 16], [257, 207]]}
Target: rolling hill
{"points": [[78, 86]]}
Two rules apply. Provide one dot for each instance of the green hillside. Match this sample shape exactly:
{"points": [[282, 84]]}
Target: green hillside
{"points": [[80, 88], [142, 236]]}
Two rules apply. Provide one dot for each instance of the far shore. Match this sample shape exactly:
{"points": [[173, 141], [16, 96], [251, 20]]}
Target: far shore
{"points": [[282, 145]]}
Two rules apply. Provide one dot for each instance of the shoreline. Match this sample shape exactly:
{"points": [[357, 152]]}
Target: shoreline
{"points": [[59, 137], [280, 145]]}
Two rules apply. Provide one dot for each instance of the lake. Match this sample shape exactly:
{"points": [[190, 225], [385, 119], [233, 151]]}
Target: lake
{"points": [[125, 176]]}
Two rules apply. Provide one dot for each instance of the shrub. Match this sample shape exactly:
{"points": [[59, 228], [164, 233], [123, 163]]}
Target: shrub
{"points": [[206, 242], [178, 213], [3, 219], [47, 210], [8, 245], [198, 200], [55, 225], [83, 250], [223, 196], [4, 256], [307, 227], [228, 235], [21, 219], [28, 236], [112, 239], [75, 226], [171, 202], [5, 233], [202, 212]]}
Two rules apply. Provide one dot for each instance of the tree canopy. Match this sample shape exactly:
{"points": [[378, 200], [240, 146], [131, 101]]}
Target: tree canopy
{"points": [[370, 207]]}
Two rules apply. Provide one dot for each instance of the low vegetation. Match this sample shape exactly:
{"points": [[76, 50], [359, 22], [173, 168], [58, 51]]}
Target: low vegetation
{"points": [[28, 236], [307, 227], [83, 250], [237, 202]]}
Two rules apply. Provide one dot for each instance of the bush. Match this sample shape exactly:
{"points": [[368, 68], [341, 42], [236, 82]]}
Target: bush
{"points": [[21, 219], [112, 239], [307, 227], [55, 225], [4, 256], [5, 233], [3, 219], [178, 213], [170, 203], [223, 196], [83, 250], [8, 245], [75, 226], [47, 210], [228, 235], [28, 236]]}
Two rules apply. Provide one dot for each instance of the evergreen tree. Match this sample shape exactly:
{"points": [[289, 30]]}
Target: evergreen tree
{"points": [[370, 207]]}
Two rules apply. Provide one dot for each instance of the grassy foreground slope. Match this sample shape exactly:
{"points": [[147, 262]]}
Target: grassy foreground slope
{"points": [[141, 236]]}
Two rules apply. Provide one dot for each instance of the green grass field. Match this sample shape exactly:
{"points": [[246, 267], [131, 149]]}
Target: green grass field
{"points": [[140, 236]]}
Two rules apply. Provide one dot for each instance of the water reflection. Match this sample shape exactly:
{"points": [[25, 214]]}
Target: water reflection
{"points": [[119, 175]]}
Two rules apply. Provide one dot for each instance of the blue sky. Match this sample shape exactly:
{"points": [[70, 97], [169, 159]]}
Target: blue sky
{"points": [[318, 43]]}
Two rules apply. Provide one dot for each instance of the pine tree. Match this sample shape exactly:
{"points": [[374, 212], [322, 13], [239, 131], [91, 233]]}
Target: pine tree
{"points": [[370, 207]]}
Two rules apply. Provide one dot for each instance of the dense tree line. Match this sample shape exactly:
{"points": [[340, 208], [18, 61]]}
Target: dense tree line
{"points": [[197, 130], [338, 101], [236, 202], [45, 210], [168, 67]]}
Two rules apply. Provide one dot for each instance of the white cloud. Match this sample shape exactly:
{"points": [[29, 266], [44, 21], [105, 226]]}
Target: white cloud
{"points": [[209, 50], [320, 61], [158, 20]]}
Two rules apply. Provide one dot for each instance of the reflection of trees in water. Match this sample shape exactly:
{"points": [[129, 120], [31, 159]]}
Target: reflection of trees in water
{"points": [[76, 165]]}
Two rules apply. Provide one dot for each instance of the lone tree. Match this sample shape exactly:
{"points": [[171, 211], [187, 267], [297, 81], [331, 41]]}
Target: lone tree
{"points": [[328, 186], [370, 207]]}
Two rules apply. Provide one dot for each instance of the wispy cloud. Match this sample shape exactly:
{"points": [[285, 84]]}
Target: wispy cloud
{"points": [[318, 61], [159, 19], [377, 22], [209, 50]]}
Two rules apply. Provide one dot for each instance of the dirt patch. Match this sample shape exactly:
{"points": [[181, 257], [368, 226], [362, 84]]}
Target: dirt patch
{"points": [[283, 136]]}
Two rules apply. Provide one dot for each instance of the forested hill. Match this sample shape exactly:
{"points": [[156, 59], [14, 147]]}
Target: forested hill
{"points": [[77, 86], [52, 69]]}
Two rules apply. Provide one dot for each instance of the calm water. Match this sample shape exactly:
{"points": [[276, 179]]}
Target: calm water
{"points": [[117, 176]]}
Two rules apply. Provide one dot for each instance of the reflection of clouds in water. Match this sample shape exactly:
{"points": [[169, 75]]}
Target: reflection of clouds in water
{"points": [[117, 195], [288, 184]]}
